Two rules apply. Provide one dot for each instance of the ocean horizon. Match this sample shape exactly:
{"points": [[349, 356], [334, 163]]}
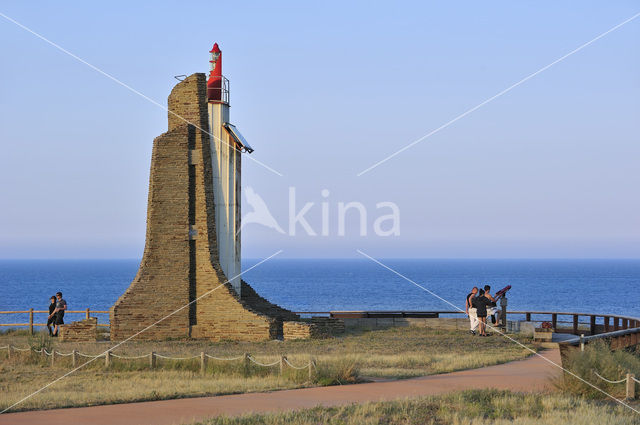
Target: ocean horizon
{"points": [[601, 286]]}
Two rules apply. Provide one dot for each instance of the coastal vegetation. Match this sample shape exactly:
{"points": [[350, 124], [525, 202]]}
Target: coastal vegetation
{"points": [[598, 359], [357, 356], [478, 407]]}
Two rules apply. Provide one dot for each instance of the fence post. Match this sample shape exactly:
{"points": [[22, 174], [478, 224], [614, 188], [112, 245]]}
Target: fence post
{"points": [[631, 387], [503, 305], [282, 358], [312, 366], [43, 354], [107, 358], [152, 360], [31, 321], [246, 363], [592, 325], [554, 321], [527, 317], [74, 358], [203, 363], [9, 351], [575, 323], [581, 342], [87, 314], [53, 357]]}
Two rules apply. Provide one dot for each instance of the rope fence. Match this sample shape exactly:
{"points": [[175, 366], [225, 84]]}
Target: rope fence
{"points": [[630, 381], [152, 356]]}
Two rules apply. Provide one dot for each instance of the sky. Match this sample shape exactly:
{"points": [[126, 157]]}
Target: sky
{"points": [[322, 91]]}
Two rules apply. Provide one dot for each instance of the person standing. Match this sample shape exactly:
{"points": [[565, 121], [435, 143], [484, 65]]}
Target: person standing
{"points": [[480, 303], [492, 307], [51, 319], [58, 313], [472, 311]]}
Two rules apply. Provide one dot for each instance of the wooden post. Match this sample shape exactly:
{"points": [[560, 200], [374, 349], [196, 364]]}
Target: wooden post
{"points": [[203, 363], [631, 387], [616, 323], [527, 317], [625, 323], [246, 364], [575, 324], [606, 323], [592, 325], [107, 359], [152, 360], [581, 342], [74, 358], [312, 367], [43, 354], [282, 358], [503, 304], [87, 314], [9, 351], [31, 321], [554, 321], [53, 357]]}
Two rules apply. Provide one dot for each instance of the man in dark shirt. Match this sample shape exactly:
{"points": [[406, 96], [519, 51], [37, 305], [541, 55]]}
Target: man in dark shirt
{"points": [[51, 320], [58, 313], [480, 303]]}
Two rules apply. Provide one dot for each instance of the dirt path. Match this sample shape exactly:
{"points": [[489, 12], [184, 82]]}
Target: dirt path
{"points": [[531, 374]]}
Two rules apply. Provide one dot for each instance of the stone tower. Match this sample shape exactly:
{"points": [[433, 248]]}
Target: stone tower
{"points": [[192, 242]]}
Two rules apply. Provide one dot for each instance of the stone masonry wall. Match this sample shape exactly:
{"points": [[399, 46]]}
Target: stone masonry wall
{"points": [[161, 285], [84, 330]]}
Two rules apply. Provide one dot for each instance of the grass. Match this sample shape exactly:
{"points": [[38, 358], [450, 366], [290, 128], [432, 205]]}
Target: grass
{"points": [[468, 407], [597, 357], [356, 356]]}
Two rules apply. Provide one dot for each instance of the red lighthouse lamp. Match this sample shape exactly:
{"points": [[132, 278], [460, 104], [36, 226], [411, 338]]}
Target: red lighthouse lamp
{"points": [[214, 84]]}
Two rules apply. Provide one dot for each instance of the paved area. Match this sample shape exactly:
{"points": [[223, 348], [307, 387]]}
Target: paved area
{"points": [[527, 375]]}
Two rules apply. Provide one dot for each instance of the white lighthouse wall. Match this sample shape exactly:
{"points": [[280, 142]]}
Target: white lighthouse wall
{"points": [[226, 193]]}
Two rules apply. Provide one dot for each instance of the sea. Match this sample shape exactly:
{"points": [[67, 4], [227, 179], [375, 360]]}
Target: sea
{"points": [[589, 286]]}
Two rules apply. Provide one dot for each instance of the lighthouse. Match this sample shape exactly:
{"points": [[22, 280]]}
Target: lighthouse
{"points": [[227, 144], [188, 284]]}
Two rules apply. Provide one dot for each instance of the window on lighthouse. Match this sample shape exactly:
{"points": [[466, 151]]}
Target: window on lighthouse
{"points": [[214, 59]]}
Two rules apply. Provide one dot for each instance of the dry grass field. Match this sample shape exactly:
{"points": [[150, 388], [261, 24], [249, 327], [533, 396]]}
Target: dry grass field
{"points": [[356, 356], [463, 408]]}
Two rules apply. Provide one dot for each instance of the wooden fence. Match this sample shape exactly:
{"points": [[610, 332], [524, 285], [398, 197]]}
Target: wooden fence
{"points": [[31, 312]]}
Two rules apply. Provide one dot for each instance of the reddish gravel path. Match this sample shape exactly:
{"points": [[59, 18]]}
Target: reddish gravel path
{"points": [[531, 374]]}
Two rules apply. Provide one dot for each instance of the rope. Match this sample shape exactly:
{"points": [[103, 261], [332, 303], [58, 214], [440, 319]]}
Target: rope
{"points": [[310, 364], [129, 357], [635, 380], [262, 364], [294, 367], [223, 359], [88, 355], [606, 380], [22, 349], [177, 358]]}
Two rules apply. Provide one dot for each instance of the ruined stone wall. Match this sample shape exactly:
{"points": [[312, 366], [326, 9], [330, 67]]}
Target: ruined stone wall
{"points": [[161, 285], [84, 330]]}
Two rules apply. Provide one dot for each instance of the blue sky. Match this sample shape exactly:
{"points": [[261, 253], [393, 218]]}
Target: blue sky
{"points": [[323, 91]]}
